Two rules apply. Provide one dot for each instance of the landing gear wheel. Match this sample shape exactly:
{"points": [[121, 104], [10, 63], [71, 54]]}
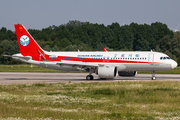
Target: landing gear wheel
{"points": [[153, 75], [154, 78], [89, 77]]}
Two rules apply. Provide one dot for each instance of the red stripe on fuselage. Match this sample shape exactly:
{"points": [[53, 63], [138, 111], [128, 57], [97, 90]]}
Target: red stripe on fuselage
{"points": [[94, 60]]}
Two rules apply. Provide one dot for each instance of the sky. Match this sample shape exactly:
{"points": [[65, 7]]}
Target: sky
{"points": [[39, 14]]}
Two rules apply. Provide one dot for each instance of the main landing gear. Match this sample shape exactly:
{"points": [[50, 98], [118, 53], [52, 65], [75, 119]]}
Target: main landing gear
{"points": [[153, 75], [90, 77]]}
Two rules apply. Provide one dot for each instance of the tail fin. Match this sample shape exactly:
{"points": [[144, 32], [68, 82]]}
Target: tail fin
{"points": [[105, 50], [27, 45]]}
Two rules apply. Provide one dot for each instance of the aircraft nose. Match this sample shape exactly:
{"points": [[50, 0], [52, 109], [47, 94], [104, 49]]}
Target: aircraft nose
{"points": [[173, 64]]}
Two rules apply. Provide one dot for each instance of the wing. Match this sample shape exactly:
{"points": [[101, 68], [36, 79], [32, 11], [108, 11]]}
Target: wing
{"points": [[78, 64], [82, 65]]}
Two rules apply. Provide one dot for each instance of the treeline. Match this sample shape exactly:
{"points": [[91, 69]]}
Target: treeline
{"points": [[85, 36]]}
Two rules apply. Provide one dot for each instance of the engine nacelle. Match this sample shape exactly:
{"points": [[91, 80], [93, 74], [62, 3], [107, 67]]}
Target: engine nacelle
{"points": [[127, 73], [107, 72]]}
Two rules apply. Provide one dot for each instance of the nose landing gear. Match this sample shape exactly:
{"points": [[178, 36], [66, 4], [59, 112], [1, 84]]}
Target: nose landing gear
{"points": [[153, 75]]}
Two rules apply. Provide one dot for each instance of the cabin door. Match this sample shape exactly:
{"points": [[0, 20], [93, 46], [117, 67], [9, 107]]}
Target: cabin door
{"points": [[151, 58]]}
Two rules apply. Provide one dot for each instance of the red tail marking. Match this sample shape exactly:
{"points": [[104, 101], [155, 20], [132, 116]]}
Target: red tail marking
{"points": [[27, 44]]}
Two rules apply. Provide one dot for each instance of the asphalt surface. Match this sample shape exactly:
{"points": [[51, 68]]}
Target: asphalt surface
{"points": [[7, 78]]}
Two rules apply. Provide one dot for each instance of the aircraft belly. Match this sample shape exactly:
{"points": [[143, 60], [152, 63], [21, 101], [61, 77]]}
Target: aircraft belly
{"points": [[147, 67]]}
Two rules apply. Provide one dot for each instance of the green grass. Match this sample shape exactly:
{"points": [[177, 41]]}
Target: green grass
{"points": [[116, 100], [27, 68]]}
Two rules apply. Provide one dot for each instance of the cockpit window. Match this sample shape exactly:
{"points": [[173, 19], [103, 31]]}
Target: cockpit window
{"points": [[164, 58]]}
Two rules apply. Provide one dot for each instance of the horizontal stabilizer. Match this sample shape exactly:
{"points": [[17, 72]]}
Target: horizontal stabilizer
{"points": [[19, 57]]}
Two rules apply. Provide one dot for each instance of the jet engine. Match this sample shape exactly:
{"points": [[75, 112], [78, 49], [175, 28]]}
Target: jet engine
{"points": [[127, 73], [107, 72]]}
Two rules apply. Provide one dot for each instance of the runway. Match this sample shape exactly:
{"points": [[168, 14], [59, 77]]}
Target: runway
{"points": [[7, 78]]}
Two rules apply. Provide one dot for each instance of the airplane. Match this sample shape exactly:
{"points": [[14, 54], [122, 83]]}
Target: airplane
{"points": [[106, 64]]}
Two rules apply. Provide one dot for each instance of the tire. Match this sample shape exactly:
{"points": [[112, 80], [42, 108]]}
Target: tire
{"points": [[153, 78], [89, 77]]}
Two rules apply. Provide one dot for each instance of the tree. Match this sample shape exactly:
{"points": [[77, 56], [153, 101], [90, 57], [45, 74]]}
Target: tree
{"points": [[64, 42]]}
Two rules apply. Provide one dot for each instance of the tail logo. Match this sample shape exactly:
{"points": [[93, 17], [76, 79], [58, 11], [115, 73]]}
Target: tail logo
{"points": [[24, 40]]}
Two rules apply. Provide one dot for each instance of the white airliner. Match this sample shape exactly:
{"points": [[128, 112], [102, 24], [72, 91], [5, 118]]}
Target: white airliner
{"points": [[105, 64]]}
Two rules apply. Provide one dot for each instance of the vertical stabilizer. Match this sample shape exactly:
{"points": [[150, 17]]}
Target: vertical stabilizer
{"points": [[27, 45]]}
